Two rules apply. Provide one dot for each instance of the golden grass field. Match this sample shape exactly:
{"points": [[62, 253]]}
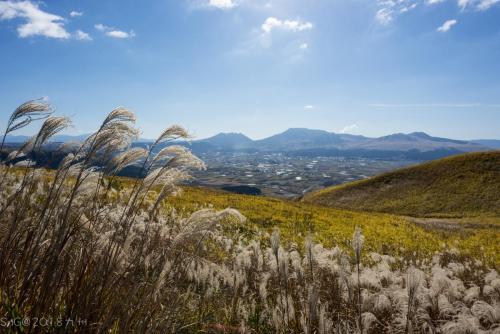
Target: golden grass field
{"points": [[384, 233]]}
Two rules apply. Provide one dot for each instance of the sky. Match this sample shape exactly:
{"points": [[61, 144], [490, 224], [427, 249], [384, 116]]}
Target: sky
{"points": [[258, 66]]}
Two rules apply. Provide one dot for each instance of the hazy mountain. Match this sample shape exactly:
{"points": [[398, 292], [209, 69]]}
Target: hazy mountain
{"points": [[491, 143], [299, 138], [416, 141], [319, 142], [230, 141]]}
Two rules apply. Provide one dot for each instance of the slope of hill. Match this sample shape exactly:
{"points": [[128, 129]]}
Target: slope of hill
{"points": [[464, 185]]}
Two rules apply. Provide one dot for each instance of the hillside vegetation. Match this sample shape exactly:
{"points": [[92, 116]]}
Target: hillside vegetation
{"points": [[384, 233], [459, 186]]}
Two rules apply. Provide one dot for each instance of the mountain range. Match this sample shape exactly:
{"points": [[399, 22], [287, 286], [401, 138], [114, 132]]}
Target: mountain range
{"points": [[300, 139], [319, 142]]}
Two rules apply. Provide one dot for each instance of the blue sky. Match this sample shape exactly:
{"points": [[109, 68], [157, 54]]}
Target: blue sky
{"points": [[259, 66]]}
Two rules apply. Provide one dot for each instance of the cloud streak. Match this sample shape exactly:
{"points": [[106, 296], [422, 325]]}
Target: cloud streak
{"points": [[222, 4], [82, 36], [389, 10], [75, 13], [113, 32], [447, 25], [273, 23]]}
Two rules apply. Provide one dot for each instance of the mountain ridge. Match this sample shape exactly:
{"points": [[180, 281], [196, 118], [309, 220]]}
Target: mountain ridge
{"points": [[314, 140]]}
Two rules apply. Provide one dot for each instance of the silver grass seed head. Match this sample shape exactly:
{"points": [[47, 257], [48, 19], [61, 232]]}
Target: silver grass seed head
{"points": [[66, 161], [50, 127], [167, 153], [312, 302], [275, 242], [357, 242], [171, 133], [368, 320], [125, 159], [186, 161], [28, 112], [309, 248], [119, 114]]}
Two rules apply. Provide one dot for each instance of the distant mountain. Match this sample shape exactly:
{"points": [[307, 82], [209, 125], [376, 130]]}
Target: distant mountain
{"points": [[299, 139], [230, 141], [491, 143], [308, 142], [416, 141]]}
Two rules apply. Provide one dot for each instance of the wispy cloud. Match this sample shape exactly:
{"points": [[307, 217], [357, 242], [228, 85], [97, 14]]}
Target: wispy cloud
{"points": [[222, 4], [384, 16], [113, 32], [349, 128], [75, 13], [309, 107], [304, 46], [101, 27], [389, 10], [120, 34], [38, 22], [82, 36], [435, 2], [273, 23], [447, 25], [487, 4]]}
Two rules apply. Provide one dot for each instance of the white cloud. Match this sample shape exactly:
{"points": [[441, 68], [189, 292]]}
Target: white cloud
{"points": [[487, 4], [463, 4], [75, 13], [101, 27], [447, 25], [434, 2], [222, 4], [304, 46], [38, 22], [384, 16], [82, 36], [272, 23], [410, 7], [349, 128], [309, 107], [120, 34], [113, 32]]}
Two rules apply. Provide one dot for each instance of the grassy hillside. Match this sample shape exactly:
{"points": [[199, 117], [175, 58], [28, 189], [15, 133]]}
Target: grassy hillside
{"points": [[384, 233], [460, 186]]}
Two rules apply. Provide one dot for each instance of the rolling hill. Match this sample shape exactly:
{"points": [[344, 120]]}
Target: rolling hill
{"points": [[459, 186]]}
